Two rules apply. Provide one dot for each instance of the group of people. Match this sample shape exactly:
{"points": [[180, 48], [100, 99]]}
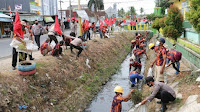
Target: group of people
{"points": [[161, 90], [35, 31], [28, 33], [89, 30]]}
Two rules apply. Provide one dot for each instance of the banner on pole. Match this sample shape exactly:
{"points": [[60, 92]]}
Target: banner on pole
{"points": [[82, 14]]}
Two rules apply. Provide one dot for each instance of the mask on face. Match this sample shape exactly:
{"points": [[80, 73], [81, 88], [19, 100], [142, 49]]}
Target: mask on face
{"points": [[131, 61], [157, 43], [36, 23], [150, 85]]}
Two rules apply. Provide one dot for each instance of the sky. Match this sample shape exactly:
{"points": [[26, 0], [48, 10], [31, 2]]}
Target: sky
{"points": [[147, 5]]}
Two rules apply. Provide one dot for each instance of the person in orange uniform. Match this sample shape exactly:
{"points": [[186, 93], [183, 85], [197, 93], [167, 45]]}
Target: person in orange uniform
{"points": [[45, 48], [135, 64], [153, 47], [160, 61], [174, 56], [57, 50], [118, 99]]}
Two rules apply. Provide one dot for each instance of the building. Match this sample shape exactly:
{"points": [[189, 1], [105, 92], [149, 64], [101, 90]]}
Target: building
{"points": [[190, 34], [21, 5], [112, 12]]}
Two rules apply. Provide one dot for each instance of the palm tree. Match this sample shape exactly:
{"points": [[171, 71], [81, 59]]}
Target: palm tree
{"points": [[98, 5], [132, 11], [121, 12], [141, 10]]}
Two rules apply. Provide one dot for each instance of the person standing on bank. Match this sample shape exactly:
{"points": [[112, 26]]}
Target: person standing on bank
{"points": [[18, 30], [37, 31], [73, 28], [160, 61], [160, 91]]}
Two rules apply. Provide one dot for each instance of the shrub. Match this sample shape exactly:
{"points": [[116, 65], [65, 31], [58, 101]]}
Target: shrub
{"points": [[155, 24], [162, 22], [173, 21]]}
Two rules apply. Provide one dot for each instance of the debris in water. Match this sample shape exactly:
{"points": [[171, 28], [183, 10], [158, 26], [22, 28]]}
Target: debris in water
{"points": [[102, 98]]}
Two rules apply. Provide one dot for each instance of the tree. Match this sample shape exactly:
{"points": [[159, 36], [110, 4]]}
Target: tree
{"points": [[162, 22], [155, 24], [132, 11], [141, 10], [174, 21], [194, 14], [98, 5], [121, 12], [164, 4]]}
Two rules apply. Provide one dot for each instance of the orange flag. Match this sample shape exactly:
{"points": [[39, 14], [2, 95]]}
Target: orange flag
{"points": [[57, 27], [17, 26]]}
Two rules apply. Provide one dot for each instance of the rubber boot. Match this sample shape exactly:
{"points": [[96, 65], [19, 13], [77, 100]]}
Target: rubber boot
{"points": [[163, 107]]}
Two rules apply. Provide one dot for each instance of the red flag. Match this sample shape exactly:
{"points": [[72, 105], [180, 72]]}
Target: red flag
{"points": [[17, 26], [124, 21], [127, 16], [110, 21], [57, 27], [106, 21], [72, 18], [101, 23], [113, 20], [134, 16], [86, 25]]}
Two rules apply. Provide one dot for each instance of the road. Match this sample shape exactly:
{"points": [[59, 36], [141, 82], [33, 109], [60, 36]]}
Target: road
{"points": [[6, 50]]}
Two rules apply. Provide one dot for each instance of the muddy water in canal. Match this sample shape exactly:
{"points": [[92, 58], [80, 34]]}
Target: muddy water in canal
{"points": [[103, 101]]}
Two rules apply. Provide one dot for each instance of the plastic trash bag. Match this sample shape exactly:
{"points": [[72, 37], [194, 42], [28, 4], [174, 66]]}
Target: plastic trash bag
{"points": [[87, 63], [59, 38], [139, 108], [19, 46], [150, 72]]}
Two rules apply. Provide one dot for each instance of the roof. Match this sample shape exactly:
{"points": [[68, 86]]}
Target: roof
{"points": [[4, 15], [4, 18]]}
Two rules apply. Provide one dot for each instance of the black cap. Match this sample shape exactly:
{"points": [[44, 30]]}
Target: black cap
{"points": [[148, 79]]}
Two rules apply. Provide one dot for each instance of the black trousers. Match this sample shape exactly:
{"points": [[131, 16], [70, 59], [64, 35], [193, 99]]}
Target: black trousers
{"points": [[165, 96], [72, 34], [52, 37], [57, 52], [77, 47], [137, 46], [14, 57], [37, 40]]}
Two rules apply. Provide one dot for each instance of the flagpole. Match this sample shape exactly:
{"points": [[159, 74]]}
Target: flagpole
{"points": [[79, 19]]}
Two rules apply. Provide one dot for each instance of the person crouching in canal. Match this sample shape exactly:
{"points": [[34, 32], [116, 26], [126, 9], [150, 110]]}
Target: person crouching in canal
{"points": [[118, 99], [133, 76], [160, 91]]}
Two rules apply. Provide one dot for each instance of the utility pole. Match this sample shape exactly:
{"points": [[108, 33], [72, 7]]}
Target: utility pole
{"points": [[70, 8], [79, 18], [61, 8]]}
